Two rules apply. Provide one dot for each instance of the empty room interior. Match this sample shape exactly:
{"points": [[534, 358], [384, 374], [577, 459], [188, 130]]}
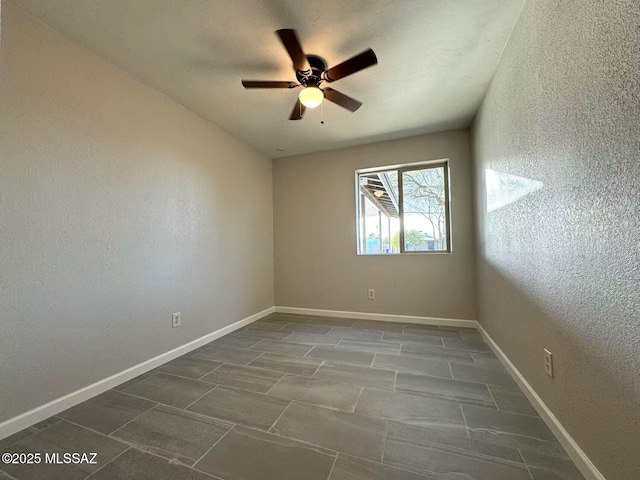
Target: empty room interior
{"points": [[333, 240]]}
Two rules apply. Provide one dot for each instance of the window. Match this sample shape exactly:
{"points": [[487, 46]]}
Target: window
{"points": [[403, 209]]}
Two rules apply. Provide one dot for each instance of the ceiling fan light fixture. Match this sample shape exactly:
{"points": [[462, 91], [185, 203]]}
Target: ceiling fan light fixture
{"points": [[311, 97]]}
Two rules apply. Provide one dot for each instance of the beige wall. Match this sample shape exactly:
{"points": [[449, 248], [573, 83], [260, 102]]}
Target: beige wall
{"points": [[559, 268], [117, 207], [316, 265]]}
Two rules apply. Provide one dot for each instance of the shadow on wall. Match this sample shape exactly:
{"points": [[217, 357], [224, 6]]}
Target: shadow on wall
{"points": [[580, 367]]}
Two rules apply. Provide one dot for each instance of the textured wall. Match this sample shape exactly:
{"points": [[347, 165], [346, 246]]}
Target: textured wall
{"points": [[117, 208], [557, 144], [316, 265]]}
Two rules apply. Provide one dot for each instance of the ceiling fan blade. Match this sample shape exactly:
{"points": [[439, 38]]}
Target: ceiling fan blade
{"points": [[341, 99], [268, 84], [353, 65], [298, 111], [289, 39]]}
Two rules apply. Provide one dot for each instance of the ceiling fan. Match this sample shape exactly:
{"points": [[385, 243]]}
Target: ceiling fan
{"points": [[311, 72]]}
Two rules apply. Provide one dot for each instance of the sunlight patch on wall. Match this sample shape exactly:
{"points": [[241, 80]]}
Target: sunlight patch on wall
{"points": [[504, 188]]}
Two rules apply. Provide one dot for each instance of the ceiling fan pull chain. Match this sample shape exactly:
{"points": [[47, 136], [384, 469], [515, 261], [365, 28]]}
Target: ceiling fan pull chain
{"points": [[321, 114]]}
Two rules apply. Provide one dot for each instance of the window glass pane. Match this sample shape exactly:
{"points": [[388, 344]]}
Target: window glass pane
{"points": [[425, 225], [372, 229], [392, 178], [379, 222]]}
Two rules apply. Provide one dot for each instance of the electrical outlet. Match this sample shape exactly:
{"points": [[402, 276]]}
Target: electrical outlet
{"points": [[548, 363], [175, 320], [371, 294]]}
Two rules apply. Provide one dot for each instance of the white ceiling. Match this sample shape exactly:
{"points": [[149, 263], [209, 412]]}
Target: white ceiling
{"points": [[436, 59]]}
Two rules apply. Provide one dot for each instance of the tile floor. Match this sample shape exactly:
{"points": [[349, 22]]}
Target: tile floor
{"points": [[296, 397]]}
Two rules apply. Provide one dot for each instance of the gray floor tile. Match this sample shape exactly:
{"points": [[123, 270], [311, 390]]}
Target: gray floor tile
{"points": [[340, 431], [543, 467], [510, 429], [107, 412], [413, 364], [283, 348], [5, 476], [412, 338], [354, 468], [355, 334], [239, 406], [135, 380], [332, 321], [195, 351], [411, 409], [445, 389], [238, 356], [511, 399], [408, 400], [44, 424], [137, 465], [265, 326], [246, 378], [169, 389], [355, 375], [312, 339], [451, 441], [437, 353], [490, 376], [235, 341], [487, 360], [505, 422], [468, 345], [287, 364], [273, 319], [430, 459], [246, 454], [174, 433], [431, 330], [8, 442], [319, 392], [378, 326], [5, 443], [341, 356], [263, 334], [306, 328], [286, 318], [64, 437], [471, 335], [368, 346], [191, 367]]}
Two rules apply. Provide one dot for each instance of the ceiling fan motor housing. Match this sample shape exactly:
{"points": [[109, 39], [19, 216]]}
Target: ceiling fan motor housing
{"points": [[312, 78]]}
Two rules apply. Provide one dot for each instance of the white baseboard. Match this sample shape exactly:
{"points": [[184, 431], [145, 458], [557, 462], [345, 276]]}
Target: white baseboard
{"points": [[584, 464], [25, 420], [382, 317]]}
